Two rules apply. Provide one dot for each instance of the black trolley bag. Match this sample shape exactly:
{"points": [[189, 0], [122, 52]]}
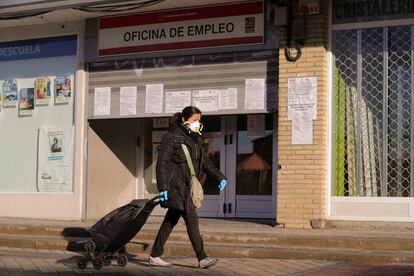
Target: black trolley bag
{"points": [[114, 230]]}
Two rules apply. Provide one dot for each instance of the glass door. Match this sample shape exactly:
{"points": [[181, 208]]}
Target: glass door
{"points": [[213, 143], [243, 149], [255, 159]]}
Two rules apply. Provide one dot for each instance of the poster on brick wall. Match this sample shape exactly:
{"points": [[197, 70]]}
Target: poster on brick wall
{"points": [[302, 96], [302, 128]]}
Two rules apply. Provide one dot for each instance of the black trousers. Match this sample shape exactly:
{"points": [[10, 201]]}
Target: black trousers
{"points": [[191, 222]]}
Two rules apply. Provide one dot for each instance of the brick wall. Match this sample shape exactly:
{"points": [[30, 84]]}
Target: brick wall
{"points": [[301, 181]]}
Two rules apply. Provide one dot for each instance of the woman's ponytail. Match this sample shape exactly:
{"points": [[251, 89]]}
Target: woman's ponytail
{"points": [[176, 117]]}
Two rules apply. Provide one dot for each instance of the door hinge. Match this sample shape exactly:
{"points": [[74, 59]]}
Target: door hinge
{"points": [[224, 208]]}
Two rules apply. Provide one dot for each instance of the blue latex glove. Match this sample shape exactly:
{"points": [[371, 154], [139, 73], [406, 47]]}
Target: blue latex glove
{"points": [[164, 196], [223, 184]]}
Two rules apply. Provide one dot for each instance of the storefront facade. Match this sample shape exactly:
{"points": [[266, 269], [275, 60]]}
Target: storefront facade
{"points": [[222, 58], [372, 133], [343, 152], [42, 121]]}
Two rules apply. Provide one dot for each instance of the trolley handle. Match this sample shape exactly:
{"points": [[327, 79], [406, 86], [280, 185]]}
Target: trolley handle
{"points": [[152, 200]]}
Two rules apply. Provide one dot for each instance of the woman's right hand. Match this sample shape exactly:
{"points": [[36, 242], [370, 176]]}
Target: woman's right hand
{"points": [[164, 195]]}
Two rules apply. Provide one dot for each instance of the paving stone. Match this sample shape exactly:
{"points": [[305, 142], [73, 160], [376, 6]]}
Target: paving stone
{"points": [[31, 263]]}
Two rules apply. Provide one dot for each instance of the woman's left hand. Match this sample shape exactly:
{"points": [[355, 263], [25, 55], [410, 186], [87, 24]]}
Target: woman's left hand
{"points": [[223, 184]]}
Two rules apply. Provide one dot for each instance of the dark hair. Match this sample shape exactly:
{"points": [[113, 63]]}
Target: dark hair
{"points": [[186, 114]]}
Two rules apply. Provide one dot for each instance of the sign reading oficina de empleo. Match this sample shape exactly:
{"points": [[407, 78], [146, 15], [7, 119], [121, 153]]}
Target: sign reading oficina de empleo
{"points": [[187, 28]]}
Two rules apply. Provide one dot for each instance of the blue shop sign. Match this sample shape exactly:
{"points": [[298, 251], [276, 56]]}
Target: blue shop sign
{"points": [[38, 48]]}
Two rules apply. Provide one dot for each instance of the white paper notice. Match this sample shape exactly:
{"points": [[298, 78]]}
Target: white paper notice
{"points": [[102, 101], [128, 101], [154, 98], [206, 100], [256, 125], [176, 101], [55, 160], [254, 94], [302, 95], [227, 98], [302, 128]]}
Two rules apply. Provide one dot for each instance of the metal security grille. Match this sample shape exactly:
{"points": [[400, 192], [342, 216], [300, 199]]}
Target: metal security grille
{"points": [[373, 105]]}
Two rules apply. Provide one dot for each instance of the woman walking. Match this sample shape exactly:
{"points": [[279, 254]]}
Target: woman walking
{"points": [[174, 182]]}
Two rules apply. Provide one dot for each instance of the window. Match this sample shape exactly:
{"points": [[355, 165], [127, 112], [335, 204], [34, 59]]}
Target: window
{"points": [[373, 111]]}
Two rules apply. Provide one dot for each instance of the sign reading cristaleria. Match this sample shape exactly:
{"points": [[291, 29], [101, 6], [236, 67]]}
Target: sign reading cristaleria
{"points": [[348, 11], [188, 28]]}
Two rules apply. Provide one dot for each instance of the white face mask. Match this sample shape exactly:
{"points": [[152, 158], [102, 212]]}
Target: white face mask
{"points": [[195, 126]]}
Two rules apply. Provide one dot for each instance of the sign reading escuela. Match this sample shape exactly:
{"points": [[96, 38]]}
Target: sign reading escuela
{"points": [[38, 48], [188, 28]]}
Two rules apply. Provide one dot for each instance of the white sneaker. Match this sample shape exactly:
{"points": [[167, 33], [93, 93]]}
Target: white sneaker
{"points": [[157, 261], [207, 262]]}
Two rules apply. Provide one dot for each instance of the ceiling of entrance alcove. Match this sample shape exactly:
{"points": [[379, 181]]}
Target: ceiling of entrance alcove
{"points": [[62, 11]]}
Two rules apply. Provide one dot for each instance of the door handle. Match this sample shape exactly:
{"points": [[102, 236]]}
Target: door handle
{"points": [[224, 208], [231, 139], [229, 208], [225, 139]]}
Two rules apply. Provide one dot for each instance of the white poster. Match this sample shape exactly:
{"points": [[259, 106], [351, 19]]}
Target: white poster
{"points": [[256, 125], [302, 128], [128, 101], [55, 160], [254, 94], [175, 101], [302, 96], [227, 98], [154, 98], [206, 100], [102, 101]]}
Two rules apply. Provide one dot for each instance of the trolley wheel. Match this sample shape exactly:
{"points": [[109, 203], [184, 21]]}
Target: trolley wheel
{"points": [[122, 260], [97, 263], [82, 263], [90, 247], [107, 260]]}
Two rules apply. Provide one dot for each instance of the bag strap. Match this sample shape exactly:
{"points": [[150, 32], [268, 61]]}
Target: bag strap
{"points": [[189, 161]]}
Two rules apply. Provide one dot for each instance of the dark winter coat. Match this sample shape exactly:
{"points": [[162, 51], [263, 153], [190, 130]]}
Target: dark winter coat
{"points": [[173, 174]]}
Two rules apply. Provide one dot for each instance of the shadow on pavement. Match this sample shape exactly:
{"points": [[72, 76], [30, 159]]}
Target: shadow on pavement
{"points": [[348, 269]]}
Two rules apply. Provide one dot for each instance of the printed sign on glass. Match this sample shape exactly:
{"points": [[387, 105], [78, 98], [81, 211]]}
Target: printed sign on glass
{"points": [[63, 89], [10, 93], [42, 86], [26, 101]]}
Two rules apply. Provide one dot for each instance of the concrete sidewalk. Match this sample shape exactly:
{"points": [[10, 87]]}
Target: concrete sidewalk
{"points": [[51, 262], [230, 239], [35, 262]]}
